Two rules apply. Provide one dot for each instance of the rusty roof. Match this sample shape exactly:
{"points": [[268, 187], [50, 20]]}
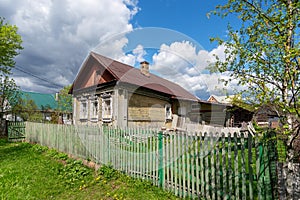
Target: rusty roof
{"points": [[124, 73]]}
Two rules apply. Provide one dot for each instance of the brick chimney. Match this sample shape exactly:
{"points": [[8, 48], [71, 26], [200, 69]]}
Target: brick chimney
{"points": [[145, 68]]}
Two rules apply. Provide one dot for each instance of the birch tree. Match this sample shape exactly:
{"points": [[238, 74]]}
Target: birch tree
{"points": [[263, 54]]}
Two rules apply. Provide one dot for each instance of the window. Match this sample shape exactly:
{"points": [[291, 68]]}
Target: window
{"points": [[106, 108], [168, 112], [83, 110], [94, 109]]}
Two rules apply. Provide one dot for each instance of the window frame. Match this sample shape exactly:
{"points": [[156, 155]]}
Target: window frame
{"points": [[168, 112], [94, 110], [83, 110], [105, 98]]}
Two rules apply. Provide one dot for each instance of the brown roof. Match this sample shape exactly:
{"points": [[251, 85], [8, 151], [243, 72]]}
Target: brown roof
{"points": [[127, 74]]}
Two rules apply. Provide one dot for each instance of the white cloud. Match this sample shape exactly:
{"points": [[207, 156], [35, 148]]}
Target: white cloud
{"points": [[57, 35], [137, 55], [28, 85], [181, 63]]}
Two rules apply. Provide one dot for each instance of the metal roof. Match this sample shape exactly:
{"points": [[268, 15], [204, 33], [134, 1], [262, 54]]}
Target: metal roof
{"points": [[43, 101], [127, 74]]}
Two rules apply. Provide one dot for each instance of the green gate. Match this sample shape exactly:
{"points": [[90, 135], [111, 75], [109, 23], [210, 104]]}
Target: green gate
{"points": [[16, 131]]}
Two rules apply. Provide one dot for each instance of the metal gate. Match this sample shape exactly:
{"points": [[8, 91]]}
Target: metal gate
{"points": [[16, 130]]}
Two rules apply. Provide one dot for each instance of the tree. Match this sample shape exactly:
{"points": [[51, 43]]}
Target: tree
{"points": [[10, 45], [10, 95], [264, 55], [28, 110], [64, 101]]}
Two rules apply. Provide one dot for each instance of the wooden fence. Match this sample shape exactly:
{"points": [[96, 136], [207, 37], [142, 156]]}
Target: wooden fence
{"points": [[195, 165]]}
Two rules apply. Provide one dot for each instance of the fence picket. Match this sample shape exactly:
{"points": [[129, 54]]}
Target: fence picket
{"points": [[187, 165], [243, 165], [197, 155], [172, 159], [236, 167], [218, 170], [212, 164], [229, 167], [193, 167], [208, 165], [176, 171], [206, 170]]}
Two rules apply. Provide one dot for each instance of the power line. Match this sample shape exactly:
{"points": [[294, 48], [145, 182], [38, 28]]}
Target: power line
{"points": [[19, 68]]}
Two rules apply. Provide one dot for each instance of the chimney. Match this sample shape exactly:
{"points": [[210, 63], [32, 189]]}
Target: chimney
{"points": [[56, 96], [145, 68]]}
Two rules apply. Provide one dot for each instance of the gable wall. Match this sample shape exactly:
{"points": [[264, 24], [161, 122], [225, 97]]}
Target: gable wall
{"points": [[93, 73]]}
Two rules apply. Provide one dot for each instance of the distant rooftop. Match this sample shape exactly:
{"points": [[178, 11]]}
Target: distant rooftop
{"points": [[41, 100], [219, 99]]}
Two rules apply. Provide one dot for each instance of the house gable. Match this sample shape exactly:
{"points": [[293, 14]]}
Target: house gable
{"points": [[212, 99], [130, 75], [92, 73], [220, 99]]}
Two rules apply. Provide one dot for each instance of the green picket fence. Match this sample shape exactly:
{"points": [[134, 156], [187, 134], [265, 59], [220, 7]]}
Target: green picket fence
{"points": [[195, 165]]}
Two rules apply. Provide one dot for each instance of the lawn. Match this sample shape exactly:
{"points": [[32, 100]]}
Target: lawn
{"points": [[35, 172]]}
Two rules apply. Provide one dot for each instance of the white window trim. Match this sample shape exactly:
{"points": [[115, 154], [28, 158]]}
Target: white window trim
{"points": [[83, 114], [168, 112], [94, 110], [105, 98]]}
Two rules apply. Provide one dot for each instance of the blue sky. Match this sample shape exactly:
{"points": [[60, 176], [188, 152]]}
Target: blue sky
{"points": [[173, 35], [186, 16]]}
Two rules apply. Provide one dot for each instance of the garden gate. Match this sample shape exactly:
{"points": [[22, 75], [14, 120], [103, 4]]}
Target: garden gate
{"points": [[16, 130]]}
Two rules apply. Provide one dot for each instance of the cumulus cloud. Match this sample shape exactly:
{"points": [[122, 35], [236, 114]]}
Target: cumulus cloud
{"points": [[57, 35], [137, 55], [182, 63]]}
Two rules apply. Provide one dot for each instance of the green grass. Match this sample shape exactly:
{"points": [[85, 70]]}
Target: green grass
{"points": [[35, 172]]}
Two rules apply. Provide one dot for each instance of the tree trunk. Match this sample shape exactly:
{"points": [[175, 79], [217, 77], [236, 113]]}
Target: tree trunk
{"points": [[288, 181]]}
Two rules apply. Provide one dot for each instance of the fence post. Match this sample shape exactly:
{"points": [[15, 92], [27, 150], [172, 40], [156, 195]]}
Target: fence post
{"points": [[160, 160], [250, 165]]}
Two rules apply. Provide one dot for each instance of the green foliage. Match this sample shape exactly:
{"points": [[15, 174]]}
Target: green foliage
{"points": [[39, 149], [263, 54], [10, 45], [108, 172], [74, 173], [28, 110], [56, 155], [65, 100], [9, 94]]}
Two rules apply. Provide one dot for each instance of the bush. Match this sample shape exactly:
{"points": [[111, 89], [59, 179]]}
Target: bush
{"points": [[108, 172]]}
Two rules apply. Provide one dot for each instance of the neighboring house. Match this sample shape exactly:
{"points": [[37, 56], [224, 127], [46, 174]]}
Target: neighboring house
{"points": [[266, 117], [219, 99], [108, 92], [236, 116], [45, 104]]}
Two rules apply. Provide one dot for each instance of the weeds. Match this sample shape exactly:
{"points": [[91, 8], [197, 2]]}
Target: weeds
{"points": [[74, 173]]}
